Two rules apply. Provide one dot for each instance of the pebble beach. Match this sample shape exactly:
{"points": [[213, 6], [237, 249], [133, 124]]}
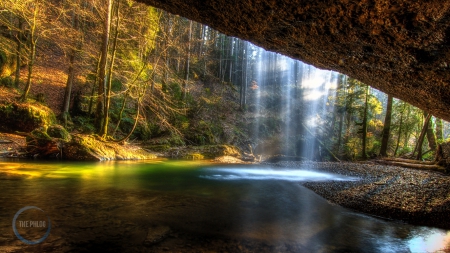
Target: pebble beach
{"points": [[414, 196]]}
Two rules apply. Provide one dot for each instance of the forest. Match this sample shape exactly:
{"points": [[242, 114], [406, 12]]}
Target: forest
{"points": [[126, 72]]}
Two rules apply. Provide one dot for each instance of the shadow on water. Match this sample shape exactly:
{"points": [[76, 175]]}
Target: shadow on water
{"points": [[185, 206]]}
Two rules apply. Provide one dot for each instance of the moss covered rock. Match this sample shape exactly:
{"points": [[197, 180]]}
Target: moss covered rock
{"points": [[25, 117], [204, 152], [58, 131], [41, 145], [89, 148]]}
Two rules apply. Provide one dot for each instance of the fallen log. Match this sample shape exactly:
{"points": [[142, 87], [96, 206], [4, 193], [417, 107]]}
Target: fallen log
{"points": [[409, 161], [433, 167]]}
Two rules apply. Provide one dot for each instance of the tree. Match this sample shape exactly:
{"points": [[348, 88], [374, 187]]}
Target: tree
{"points": [[244, 59], [76, 38], [104, 130], [400, 127], [419, 143], [439, 130], [188, 60], [386, 127], [430, 136], [19, 41], [102, 70], [364, 124], [33, 21]]}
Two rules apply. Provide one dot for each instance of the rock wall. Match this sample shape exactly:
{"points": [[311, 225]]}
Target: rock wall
{"points": [[401, 47]]}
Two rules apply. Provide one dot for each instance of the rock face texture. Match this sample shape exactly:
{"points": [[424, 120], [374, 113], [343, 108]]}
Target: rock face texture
{"points": [[401, 47]]}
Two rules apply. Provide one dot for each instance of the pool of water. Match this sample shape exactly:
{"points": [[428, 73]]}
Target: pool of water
{"points": [[198, 206]]}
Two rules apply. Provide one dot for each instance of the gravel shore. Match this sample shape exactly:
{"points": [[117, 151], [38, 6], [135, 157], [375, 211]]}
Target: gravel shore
{"points": [[414, 196]]}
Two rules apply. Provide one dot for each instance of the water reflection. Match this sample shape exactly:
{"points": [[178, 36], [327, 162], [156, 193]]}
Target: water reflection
{"points": [[246, 203]]}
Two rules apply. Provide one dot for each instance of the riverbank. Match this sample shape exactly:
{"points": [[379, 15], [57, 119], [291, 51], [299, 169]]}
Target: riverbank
{"points": [[413, 196]]}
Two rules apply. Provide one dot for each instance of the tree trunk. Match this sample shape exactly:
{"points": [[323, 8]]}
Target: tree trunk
{"points": [[122, 108], [18, 52], [439, 130], [431, 137], [240, 77], [202, 40], [68, 89], [94, 85], [32, 54], [433, 167], [407, 130], [102, 70], [419, 144], [399, 132], [243, 89], [386, 127], [134, 125], [364, 125], [220, 56], [188, 59], [230, 61], [70, 74], [341, 124], [104, 130]]}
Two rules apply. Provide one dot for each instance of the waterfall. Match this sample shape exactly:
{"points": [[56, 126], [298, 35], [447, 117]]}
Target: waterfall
{"points": [[284, 96]]}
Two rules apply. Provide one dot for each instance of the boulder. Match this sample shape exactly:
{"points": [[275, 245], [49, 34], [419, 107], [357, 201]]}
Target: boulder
{"points": [[90, 148], [25, 117]]}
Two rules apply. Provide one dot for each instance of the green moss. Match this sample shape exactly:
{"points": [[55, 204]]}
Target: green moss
{"points": [[58, 131], [88, 147], [41, 133], [25, 117]]}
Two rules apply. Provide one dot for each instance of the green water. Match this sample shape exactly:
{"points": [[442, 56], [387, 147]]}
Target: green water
{"points": [[116, 206]]}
